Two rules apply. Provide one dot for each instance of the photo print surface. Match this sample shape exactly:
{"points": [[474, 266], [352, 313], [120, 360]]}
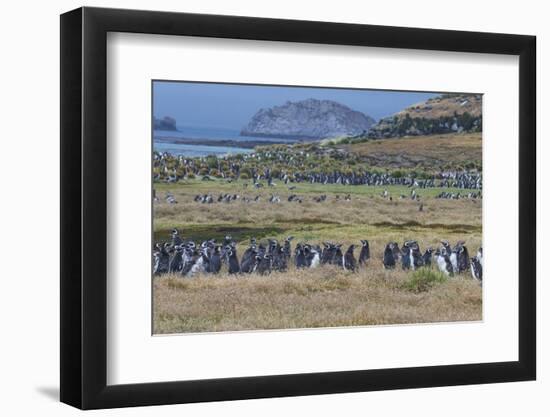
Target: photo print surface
{"points": [[285, 207]]}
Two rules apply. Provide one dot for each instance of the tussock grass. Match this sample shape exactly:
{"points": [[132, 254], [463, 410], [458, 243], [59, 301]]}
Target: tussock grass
{"points": [[324, 297], [423, 280]]}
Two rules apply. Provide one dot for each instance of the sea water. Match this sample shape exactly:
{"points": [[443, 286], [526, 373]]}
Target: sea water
{"points": [[162, 143]]}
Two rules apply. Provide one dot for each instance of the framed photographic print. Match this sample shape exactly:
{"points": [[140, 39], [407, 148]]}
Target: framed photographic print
{"points": [[257, 208]]}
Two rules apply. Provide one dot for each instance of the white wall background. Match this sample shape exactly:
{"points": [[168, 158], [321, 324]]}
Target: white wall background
{"points": [[29, 164]]}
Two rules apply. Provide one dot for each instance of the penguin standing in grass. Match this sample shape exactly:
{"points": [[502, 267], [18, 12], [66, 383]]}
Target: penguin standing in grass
{"points": [[396, 251], [287, 247], [326, 254], [215, 261], [406, 260], [463, 257], [476, 269], [364, 255], [349, 262], [389, 258], [250, 261], [446, 248], [199, 264], [280, 261], [479, 256], [189, 258], [415, 256], [313, 256], [249, 254], [162, 262], [176, 261], [176, 238], [443, 262], [300, 256], [264, 266], [427, 257], [337, 256], [232, 260]]}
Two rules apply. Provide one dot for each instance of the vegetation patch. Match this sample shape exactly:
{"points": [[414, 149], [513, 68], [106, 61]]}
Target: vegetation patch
{"points": [[423, 280]]}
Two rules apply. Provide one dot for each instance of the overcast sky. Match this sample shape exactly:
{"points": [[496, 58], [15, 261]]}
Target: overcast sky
{"points": [[232, 105]]}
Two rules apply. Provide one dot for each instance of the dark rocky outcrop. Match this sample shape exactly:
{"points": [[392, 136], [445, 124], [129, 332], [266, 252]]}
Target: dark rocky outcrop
{"points": [[166, 123], [309, 119]]}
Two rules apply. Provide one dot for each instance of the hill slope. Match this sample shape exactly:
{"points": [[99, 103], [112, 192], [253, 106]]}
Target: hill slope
{"points": [[448, 113]]}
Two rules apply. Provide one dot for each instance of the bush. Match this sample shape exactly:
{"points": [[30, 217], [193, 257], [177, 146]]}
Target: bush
{"points": [[424, 279]]}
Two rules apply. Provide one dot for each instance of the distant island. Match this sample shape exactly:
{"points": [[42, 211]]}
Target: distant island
{"points": [[166, 123], [309, 119]]}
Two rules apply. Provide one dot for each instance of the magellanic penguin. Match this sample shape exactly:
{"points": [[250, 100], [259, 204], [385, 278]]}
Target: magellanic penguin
{"points": [[364, 255], [389, 258], [427, 258], [300, 256], [264, 267], [443, 262], [326, 253], [349, 262], [176, 261], [176, 238], [232, 260], [215, 261], [337, 256], [163, 259], [476, 269], [463, 257], [313, 256], [479, 256], [417, 260], [279, 260], [406, 260], [250, 261], [287, 247]]}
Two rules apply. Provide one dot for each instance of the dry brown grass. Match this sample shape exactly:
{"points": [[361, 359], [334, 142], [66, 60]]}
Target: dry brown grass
{"points": [[324, 297], [429, 152]]}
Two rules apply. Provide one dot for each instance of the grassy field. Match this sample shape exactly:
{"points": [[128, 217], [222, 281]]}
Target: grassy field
{"points": [[424, 152], [366, 216], [324, 297]]}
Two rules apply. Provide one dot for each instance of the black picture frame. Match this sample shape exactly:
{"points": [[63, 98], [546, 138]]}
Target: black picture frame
{"points": [[84, 207]]}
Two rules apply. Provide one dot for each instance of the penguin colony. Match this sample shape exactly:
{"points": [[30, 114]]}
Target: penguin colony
{"points": [[187, 258], [171, 169]]}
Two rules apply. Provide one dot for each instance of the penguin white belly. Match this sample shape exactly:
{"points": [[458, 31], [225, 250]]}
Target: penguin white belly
{"points": [[454, 262], [480, 258], [198, 267], [315, 261], [442, 265]]}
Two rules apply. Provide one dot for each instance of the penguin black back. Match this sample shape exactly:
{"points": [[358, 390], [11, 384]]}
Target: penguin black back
{"points": [[233, 261], [215, 263], [364, 255], [350, 264], [389, 258]]}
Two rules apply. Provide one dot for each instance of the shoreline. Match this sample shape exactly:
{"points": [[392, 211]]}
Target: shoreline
{"points": [[230, 143]]}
